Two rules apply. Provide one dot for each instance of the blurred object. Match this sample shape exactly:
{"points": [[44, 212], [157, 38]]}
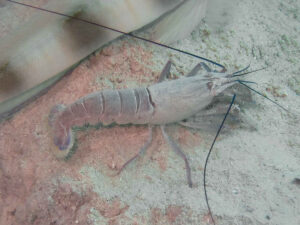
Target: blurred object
{"points": [[220, 13], [2, 3], [180, 23], [38, 53]]}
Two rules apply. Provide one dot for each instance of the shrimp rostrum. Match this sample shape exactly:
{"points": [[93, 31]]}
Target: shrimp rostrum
{"points": [[159, 104]]}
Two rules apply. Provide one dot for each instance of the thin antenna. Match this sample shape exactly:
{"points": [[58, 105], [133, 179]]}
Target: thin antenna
{"points": [[242, 70], [243, 74], [257, 92], [206, 161], [121, 32], [245, 81]]}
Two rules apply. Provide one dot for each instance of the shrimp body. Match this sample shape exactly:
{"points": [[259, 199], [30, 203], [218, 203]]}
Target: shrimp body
{"points": [[158, 104]]}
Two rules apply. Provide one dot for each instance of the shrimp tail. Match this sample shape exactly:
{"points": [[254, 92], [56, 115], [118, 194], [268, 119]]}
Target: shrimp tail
{"points": [[63, 137], [54, 113]]}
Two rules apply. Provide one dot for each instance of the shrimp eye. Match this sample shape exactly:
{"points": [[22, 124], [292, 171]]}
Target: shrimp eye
{"points": [[209, 85]]}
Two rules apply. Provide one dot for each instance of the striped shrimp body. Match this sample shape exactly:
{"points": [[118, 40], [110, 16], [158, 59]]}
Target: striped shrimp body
{"points": [[159, 104]]}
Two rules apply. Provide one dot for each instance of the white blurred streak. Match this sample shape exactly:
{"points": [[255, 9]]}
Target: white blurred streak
{"points": [[180, 23]]}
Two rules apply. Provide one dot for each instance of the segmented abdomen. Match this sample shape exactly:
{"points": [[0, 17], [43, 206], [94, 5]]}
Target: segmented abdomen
{"points": [[120, 106]]}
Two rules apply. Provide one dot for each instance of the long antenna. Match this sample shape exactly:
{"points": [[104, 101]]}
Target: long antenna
{"points": [[121, 32], [238, 73], [257, 92], [206, 161]]}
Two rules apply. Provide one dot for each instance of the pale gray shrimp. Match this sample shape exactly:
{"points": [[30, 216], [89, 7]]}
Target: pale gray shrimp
{"points": [[159, 104]]}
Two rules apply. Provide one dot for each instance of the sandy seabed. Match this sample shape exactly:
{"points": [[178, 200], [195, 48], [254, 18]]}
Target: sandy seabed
{"points": [[253, 173]]}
